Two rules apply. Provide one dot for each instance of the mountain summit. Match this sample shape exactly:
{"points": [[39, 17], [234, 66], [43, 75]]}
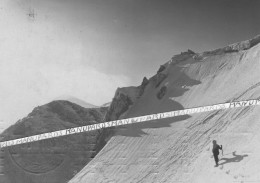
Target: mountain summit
{"points": [[178, 149]]}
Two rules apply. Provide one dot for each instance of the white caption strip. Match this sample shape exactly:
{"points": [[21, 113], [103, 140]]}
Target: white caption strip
{"points": [[128, 121]]}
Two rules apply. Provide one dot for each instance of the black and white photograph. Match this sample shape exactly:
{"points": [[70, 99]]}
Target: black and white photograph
{"points": [[129, 91]]}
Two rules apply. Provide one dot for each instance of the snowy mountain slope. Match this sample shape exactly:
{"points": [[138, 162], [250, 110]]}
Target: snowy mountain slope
{"points": [[179, 149]]}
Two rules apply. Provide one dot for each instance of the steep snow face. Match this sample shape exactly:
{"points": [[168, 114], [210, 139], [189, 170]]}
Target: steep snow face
{"points": [[179, 148]]}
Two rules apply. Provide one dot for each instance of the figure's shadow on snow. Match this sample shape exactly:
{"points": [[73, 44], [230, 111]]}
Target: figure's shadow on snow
{"points": [[181, 85], [236, 158]]}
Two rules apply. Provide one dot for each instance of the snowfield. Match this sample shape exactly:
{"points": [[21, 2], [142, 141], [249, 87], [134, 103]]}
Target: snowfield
{"points": [[178, 149]]}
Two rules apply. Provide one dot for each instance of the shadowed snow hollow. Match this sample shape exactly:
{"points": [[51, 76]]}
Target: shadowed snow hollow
{"points": [[179, 149]]}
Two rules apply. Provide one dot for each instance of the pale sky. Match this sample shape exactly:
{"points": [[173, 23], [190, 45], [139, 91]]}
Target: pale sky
{"points": [[88, 48]]}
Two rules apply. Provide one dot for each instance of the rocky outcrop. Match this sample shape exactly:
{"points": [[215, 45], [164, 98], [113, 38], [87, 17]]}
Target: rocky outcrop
{"points": [[239, 46], [182, 57], [124, 98], [161, 92], [145, 82], [143, 86], [236, 47], [119, 105], [162, 68], [243, 45]]}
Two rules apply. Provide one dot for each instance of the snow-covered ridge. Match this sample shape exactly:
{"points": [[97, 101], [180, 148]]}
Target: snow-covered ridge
{"points": [[239, 46], [235, 47], [179, 149]]}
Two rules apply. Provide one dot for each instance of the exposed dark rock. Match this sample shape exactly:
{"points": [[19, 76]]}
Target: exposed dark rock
{"points": [[236, 47], [255, 41], [191, 52], [145, 82], [142, 86], [119, 105], [162, 68], [161, 92], [123, 99], [182, 57]]}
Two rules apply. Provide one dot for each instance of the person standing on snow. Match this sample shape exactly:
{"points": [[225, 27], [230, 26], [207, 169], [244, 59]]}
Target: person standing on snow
{"points": [[215, 151]]}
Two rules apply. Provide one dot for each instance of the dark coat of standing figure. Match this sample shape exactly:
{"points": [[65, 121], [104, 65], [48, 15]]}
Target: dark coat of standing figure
{"points": [[215, 151]]}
